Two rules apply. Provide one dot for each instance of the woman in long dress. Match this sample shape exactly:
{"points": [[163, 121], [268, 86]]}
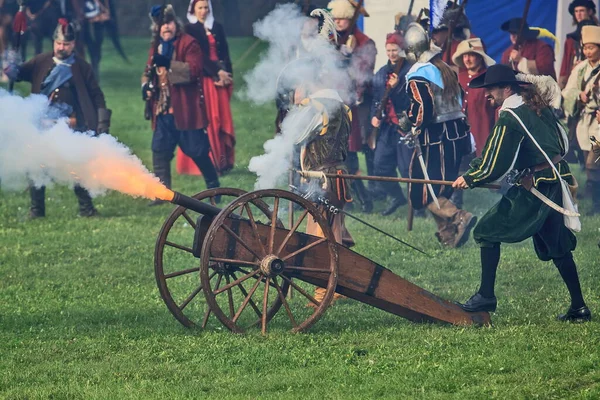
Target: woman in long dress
{"points": [[218, 88]]}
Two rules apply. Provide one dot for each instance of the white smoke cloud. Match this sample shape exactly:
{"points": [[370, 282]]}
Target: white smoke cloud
{"points": [[37, 148], [296, 56]]}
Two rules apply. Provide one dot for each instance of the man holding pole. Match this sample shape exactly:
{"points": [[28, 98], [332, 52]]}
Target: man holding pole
{"points": [[527, 53], [440, 135], [529, 138]]}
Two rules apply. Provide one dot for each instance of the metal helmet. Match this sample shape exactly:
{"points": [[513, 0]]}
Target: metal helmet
{"points": [[416, 41]]}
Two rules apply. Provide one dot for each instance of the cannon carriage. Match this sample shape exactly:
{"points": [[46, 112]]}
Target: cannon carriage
{"points": [[250, 264]]}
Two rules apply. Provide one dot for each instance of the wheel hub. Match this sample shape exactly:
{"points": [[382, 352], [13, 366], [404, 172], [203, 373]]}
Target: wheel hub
{"points": [[272, 265]]}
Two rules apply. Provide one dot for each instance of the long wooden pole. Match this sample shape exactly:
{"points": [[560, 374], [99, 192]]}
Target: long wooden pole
{"points": [[316, 174]]}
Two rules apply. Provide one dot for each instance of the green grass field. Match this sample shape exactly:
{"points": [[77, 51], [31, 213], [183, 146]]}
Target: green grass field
{"points": [[82, 317]]}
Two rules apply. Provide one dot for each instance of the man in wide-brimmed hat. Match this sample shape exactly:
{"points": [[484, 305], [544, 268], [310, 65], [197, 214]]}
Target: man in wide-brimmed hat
{"points": [[525, 137], [581, 102], [360, 53], [583, 13], [472, 61], [534, 56], [172, 86], [67, 80]]}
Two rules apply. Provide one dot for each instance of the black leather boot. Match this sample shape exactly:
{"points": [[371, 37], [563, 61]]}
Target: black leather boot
{"points": [[397, 198], [86, 207], [161, 162], [479, 303], [38, 206], [360, 192], [210, 174], [582, 314]]}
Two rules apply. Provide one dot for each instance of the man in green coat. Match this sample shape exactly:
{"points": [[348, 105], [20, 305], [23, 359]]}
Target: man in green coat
{"points": [[525, 137]]}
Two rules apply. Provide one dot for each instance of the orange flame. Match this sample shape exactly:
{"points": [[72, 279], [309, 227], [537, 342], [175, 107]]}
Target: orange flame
{"points": [[127, 177]]}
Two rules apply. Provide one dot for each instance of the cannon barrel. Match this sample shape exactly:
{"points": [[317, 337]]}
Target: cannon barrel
{"points": [[195, 205]]}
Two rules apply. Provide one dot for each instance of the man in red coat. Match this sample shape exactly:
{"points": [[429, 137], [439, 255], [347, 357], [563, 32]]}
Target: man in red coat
{"points": [[472, 62], [470, 57], [172, 86], [583, 13], [534, 57], [360, 53]]}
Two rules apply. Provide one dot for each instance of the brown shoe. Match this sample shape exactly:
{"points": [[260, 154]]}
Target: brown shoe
{"points": [[464, 222]]}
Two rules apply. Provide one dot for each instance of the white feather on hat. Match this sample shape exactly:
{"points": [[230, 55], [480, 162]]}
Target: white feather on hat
{"points": [[546, 87]]}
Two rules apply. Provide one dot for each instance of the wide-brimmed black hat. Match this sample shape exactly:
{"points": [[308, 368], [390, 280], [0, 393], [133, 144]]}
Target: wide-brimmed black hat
{"points": [[514, 25], [589, 4], [497, 75]]}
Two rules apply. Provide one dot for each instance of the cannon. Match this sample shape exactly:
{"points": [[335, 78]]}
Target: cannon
{"points": [[251, 258]]}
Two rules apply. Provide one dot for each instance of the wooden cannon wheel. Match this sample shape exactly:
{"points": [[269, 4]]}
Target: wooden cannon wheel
{"points": [[268, 256], [176, 268]]}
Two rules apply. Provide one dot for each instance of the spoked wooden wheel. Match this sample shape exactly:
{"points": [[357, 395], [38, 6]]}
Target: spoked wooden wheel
{"points": [[267, 259], [176, 268]]}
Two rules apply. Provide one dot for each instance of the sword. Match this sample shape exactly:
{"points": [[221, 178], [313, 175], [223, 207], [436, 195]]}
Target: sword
{"points": [[552, 204], [525, 179], [424, 168]]}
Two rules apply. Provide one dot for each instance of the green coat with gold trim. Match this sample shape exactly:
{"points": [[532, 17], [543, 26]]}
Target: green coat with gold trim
{"points": [[519, 214]]}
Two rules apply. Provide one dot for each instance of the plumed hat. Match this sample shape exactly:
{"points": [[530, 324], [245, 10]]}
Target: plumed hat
{"points": [[65, 31], [162, 14], [497, 75], [513, 26]]}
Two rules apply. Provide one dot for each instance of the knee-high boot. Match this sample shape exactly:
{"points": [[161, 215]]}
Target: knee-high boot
{"points": [[38, 205], [161, 162], [210, 174], [360, 192], [86, 207]]}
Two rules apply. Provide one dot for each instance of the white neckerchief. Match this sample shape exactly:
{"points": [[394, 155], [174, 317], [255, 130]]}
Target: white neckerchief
{"points": [[512, 101]]}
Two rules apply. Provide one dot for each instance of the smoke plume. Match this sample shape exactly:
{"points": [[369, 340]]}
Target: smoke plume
{"points": [[297, 57], [39, 149]]}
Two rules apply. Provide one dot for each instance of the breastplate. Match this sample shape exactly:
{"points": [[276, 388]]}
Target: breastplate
{"points": [[444, 110]]}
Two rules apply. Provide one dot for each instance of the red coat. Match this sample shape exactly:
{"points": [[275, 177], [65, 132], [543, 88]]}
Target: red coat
{"points": [[187, 98], [480, 113], [568, 61], [363, 60], [537, 50]]}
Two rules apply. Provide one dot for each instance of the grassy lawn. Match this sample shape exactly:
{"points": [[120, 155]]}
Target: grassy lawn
{"points": [[82, 317]]}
